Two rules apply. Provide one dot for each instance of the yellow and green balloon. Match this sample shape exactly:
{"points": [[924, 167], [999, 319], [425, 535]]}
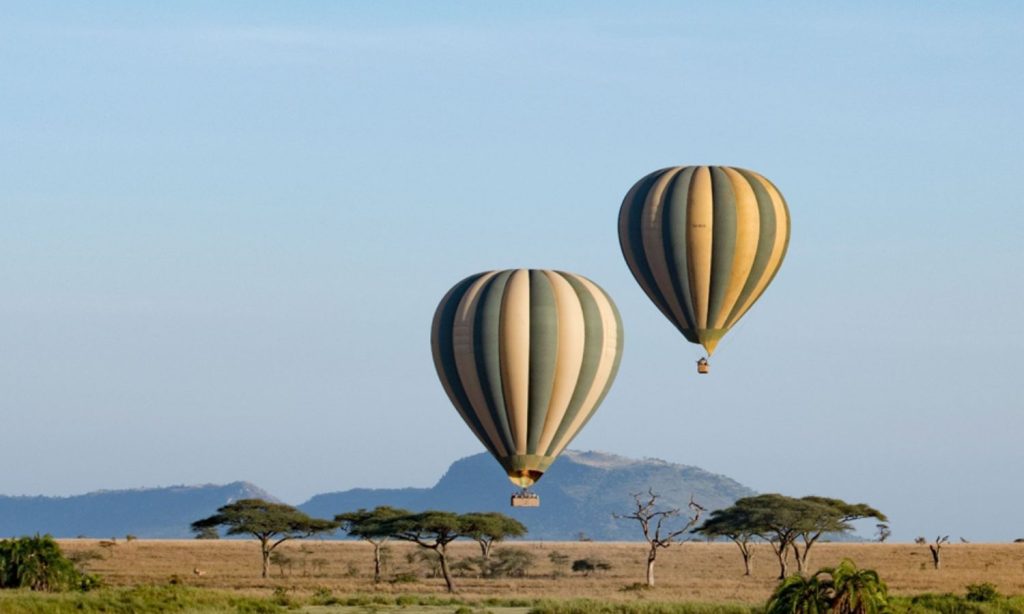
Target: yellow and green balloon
{"points": [[704, 242], [526, 356]]}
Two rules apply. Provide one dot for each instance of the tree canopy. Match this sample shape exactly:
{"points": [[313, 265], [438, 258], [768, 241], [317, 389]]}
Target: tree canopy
{"points": [[488, 528], [371, 526], [270, 523], [786, 521]]}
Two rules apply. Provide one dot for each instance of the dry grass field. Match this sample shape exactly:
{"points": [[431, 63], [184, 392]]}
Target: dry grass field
{"points": [[692, 571]]}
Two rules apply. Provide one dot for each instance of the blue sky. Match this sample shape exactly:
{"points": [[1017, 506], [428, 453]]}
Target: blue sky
{"points": [[224, 229]]}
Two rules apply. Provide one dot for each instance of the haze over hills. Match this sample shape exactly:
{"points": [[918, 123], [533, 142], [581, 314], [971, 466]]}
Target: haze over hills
{"points": [[143, 512], [579, 494]]}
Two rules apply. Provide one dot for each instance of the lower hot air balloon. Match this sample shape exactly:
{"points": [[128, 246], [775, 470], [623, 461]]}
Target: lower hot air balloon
{"points": [[526, 356], [704, 242]]}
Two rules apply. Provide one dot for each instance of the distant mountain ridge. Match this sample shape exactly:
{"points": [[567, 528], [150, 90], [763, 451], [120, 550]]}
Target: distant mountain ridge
{"points": [[579, 494], [143, 512]]}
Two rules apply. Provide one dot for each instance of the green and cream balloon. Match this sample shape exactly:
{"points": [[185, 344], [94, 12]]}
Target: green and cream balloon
{"points": [[526, 356], [704, 242]]}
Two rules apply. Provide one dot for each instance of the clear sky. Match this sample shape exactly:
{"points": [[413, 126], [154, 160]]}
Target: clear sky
{"points": [[224, 228]]}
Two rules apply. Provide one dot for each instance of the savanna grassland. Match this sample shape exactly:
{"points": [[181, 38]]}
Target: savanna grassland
{"points": [[693, 571]]}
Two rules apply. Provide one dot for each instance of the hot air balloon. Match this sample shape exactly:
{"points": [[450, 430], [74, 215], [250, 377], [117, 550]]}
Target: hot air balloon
{"points": [[526, 356], [704, 242]]}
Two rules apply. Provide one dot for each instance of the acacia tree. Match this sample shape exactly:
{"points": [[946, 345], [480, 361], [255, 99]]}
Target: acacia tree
{"points": [[777, 519], [827, 515], [431, 529], [652, 522], [371, 526], [782, 521], [271, 523], [489, 528], [736, 524]]}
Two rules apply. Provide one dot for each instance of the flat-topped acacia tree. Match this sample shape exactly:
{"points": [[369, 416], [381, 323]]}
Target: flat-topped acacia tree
{"points": [[431, 529], [371, 526], [489, 528], [734, 523], [271, 523], [782, 521]]}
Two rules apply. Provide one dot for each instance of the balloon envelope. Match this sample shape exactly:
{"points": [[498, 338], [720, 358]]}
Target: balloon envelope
{"points": [[704, 242], [526, 356]]}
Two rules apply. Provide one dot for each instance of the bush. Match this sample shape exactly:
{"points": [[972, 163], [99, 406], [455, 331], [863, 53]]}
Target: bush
{"points": [[37, 563], [588, 566], [404, 578], [511, 563], [986, 591]]}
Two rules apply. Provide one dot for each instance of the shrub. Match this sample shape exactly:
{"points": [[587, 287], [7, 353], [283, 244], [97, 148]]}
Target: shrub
{"points": [[37, 563], [843, 589], [589, 565], [510, 562], [986, 591], [324, 596]]}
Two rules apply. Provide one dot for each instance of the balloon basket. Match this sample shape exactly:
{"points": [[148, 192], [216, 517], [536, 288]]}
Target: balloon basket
{"points": [[703, 367], [525, 499]]}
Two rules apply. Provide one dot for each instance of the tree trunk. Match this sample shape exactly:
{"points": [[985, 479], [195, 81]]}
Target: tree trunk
{"points": [[376, 562], [796, 555], [650, 567], [936, 561], [485, 549], [265, 548], [781, 555], [443, 558], [746, 552]]}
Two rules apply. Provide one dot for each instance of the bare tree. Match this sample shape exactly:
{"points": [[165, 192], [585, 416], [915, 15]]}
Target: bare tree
{"points": [[652, 521], [883, 531], [935, 548]]}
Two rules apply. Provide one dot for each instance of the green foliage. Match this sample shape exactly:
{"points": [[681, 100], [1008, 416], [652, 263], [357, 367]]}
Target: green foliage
{"points": [[799, 595], [270, 523], [955, 604], [369, 524], [586, 606], [263, 519], [139, 599], [37, 563], [207, 533], [491, 526], [843, 589], [511, 563], [981, 593]]}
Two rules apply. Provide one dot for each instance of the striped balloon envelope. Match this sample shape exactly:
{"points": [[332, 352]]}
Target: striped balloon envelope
{"points": [[526, 356], [704, 242]]}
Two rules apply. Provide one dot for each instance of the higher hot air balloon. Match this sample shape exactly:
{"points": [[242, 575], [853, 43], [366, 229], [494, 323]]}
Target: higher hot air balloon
{"points": [[526, 356], [704, 242]]}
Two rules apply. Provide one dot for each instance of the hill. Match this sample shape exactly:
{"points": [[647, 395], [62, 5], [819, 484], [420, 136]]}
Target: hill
{"points": [[145, 512], [578, 494]]}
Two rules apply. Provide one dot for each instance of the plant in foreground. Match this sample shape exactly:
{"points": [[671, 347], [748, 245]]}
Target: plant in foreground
{"points": [[844, 589]]}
